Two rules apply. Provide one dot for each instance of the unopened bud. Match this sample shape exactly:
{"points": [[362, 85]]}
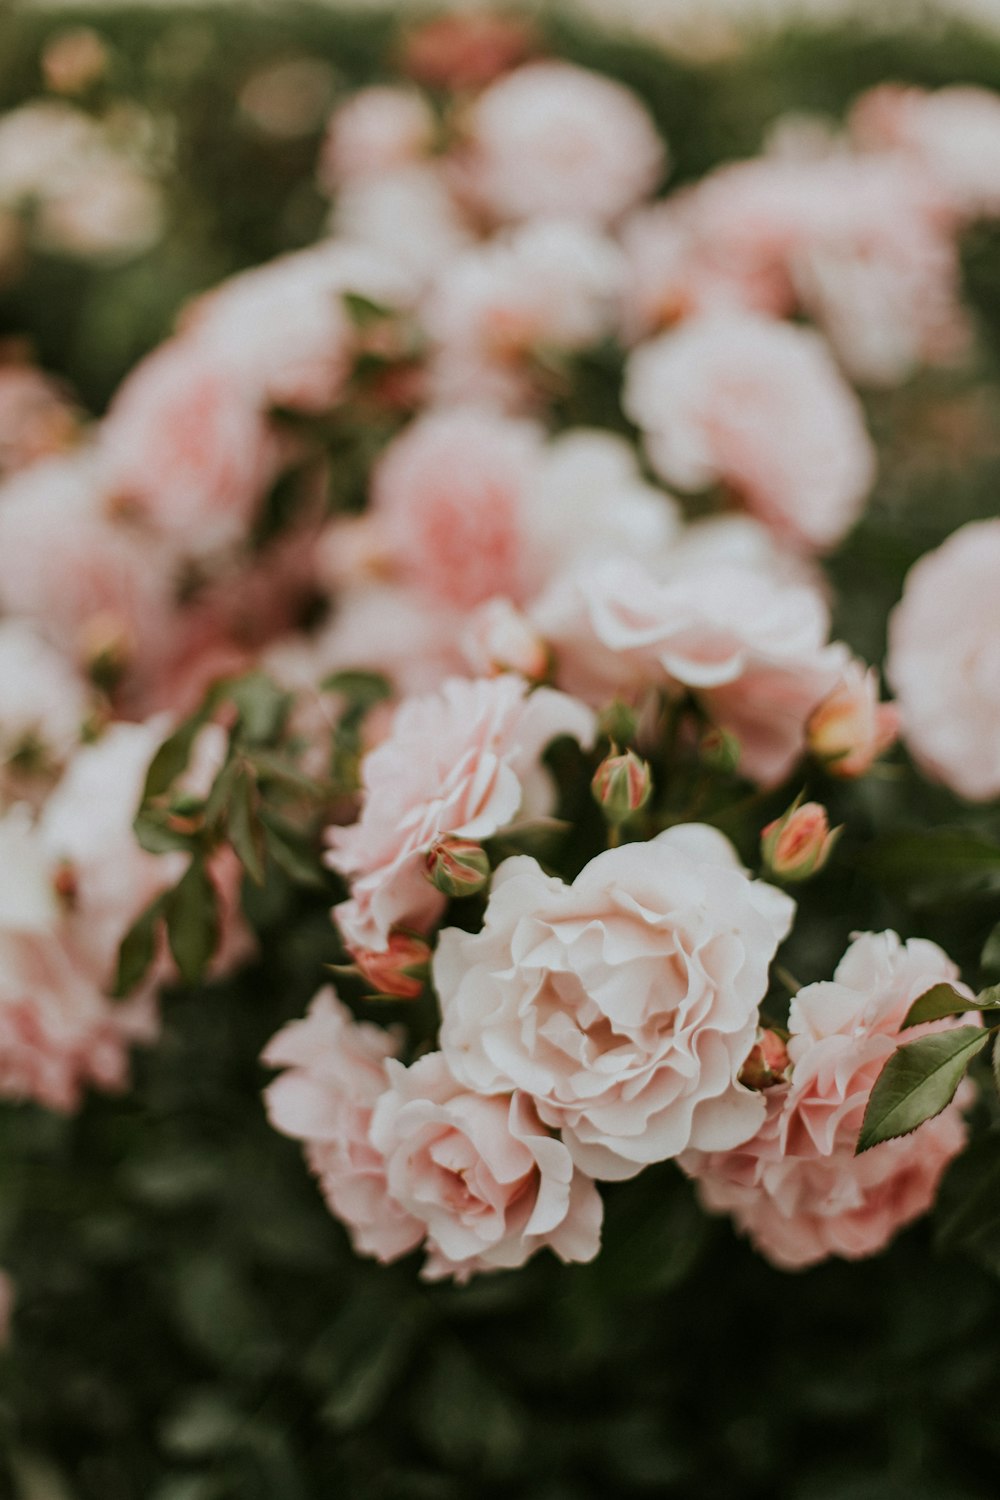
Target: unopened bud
{"points": [[720, 750], [767, 1064], [798, 844], [458, 867], [851, 728], [400, 972], [622, 786], [501, 639]]}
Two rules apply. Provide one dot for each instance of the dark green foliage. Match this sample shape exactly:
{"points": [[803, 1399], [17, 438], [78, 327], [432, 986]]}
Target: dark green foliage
{"points": [[191, 1323]]}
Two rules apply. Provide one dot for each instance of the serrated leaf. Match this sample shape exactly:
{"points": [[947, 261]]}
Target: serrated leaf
{"points": [[137, 949], [263, 707], [217, 802], [193, 922], [244, 827], [918, 1082], [936, 1003], [175, 752]]}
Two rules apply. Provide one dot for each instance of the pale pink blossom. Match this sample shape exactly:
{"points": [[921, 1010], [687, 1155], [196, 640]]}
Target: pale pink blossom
{"points": [[43, 701], [797, 1189], [748, 641], [377, 130], [335, 1073], [951, 134], [464, 761], [36, 417], [623, 1004], [483, 1175], [760, 407], [78, 572], [851, 728], [499, 638], [369, 211], [944, 661], [545, 286], [466, 51], [555, 139]]}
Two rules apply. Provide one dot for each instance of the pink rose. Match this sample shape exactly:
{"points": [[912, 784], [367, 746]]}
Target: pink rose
{"points": [[43, 700], [36, 417], [464, 761], [624, 1004], [554, 139], [944, 661], [376, 130], [951, 134], [85, 578], [797, 1188], [851, 728], [335, 1073], [369, 211], [748, 641], [183, 446], [761, 407], [483, 1175], [466, 51], [548, 285]]}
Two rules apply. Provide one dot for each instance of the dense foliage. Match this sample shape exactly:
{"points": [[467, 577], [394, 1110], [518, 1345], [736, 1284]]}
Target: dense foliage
{"points": [[191, 1324]]}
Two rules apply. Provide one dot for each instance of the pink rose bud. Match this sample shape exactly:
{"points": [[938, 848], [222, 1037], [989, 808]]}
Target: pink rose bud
{"points": [[720, 750], [400, 972], [798, 844], [622, 786], [458, 867], [501, 639], [851, 728], [767, 1064]]}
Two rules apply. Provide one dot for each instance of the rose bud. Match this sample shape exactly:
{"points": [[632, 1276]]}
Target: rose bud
{"points": [[798, 844], [767, 1064], [501, 639], [458, 867], [720, 750], [622, 786], [399, 973], [850, 729]]}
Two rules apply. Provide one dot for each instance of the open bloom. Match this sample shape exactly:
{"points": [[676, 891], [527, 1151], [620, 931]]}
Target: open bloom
{"points": [[944, 661], [484, 1177], [797, 1189], [551, 138], [465, 761], [761, 407], [625, 1004]]}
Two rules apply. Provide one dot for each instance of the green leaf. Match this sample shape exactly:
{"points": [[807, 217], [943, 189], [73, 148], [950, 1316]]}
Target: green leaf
{"points": [[217, 803], [243, 825], [263, 707], [918, 1082], [155, 835], [949, 857], [995, 1060], [364, 311], [942, 1000], [175, 752], [360, 688], [990, 957], [292, 852], [193, 922], [279, 768], [137, 948]]}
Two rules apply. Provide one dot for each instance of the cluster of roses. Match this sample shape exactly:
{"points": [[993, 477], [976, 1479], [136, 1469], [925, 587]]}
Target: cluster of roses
{"points": [[516, 585]]}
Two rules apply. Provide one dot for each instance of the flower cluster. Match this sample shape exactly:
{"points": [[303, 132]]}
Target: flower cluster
{"points": [[351, 469]]}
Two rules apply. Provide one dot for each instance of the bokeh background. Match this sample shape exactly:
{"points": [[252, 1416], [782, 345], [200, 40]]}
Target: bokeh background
{"points": [[191, 1324]]}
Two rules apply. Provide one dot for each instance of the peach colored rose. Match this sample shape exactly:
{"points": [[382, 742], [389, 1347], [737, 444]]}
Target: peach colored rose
{"points": [[463, 761], [483, 1175], [375, 131], [335, 1073], [750, 642], [797, 1189], [623, 1004], [760, 407], [851, 728], [554, 139], [944, 661]]}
